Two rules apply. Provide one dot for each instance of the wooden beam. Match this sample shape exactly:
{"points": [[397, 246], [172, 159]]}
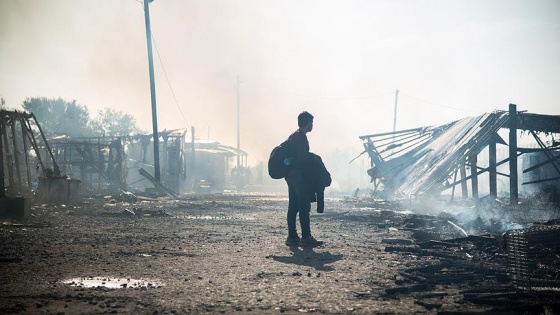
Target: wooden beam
{"points": [[464, 188], [513, 176], [474, 175], [493, 178]]}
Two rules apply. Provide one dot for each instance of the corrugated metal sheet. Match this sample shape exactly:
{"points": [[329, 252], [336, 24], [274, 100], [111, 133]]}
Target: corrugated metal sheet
{"points": [[420, 161]]}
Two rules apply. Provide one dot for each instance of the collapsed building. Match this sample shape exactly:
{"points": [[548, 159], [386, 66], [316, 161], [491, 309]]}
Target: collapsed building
{"points": [[430, 160], [28, 169], [57, 169], [187, 164], [126, 162]]}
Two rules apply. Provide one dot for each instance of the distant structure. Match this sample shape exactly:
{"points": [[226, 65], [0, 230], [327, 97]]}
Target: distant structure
{"points": [[430, 160]]}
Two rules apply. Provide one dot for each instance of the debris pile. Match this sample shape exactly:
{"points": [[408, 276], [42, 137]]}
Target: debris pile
{"points": [[506, 272]]}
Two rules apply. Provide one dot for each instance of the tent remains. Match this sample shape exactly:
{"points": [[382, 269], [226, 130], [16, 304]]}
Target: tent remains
{"points": [[426, 160], [25, 169]]}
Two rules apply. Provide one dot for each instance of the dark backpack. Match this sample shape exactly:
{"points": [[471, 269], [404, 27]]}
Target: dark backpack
{"points": [[277, 166]]}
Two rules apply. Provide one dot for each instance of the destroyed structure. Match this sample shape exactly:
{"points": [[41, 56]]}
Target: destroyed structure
{"points": [[186, 164], [57, 169], [125, 163], [28, 167], [99, 162], [428, 160]]}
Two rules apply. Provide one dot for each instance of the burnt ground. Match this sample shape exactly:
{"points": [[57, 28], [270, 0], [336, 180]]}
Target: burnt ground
{"points": [[225, 254]]}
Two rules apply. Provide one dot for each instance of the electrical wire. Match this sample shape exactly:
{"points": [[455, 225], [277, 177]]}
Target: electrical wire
{"points": [[168, 83], [166, 77], [303, 95], [323, 97], [436, 104]]}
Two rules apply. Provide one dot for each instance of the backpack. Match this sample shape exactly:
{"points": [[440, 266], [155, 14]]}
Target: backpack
{"points": [[279, 160]]}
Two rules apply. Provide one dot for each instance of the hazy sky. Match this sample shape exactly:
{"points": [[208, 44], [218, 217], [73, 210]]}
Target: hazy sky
{"points": [[341, 60]]}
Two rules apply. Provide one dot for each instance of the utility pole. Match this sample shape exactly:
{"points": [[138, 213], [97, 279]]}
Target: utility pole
{"points": [[2, 185], [152, 89], [395, 113], [238, 124]]}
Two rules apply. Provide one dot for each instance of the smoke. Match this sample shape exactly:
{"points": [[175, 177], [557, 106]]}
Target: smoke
{"points": [[340, 60]]}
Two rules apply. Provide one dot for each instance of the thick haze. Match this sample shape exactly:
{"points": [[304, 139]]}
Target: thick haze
{"points": [[340, 60]]}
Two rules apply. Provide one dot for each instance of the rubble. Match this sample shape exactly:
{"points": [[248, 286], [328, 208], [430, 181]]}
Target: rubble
{"points": [[212, 260]]}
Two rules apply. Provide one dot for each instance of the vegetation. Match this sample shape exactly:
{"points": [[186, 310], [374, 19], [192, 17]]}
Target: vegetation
{"points": [[60, 117], [115, 123]]}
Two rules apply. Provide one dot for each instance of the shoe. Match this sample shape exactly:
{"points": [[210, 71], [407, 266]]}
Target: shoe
{"points": [[293, 240], [310, 241]]}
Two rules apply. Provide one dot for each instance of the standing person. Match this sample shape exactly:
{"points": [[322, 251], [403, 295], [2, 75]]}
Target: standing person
{"points": [[299, 192]]}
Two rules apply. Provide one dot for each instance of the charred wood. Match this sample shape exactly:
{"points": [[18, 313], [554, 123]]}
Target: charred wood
{"points": [[408, 289], [422, 252], [428, 306]]}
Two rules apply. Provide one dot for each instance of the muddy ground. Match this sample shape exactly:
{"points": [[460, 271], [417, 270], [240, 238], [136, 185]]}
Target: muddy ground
{"points": [[225, 254]]}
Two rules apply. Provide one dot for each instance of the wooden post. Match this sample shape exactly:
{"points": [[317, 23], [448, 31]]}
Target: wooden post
{"points": [[2, 186], [464, 188], [513, 179], [9, 159], [25, 151], [16, 156], [453, 188], [474, 176], [152, 88], [492, 168]]}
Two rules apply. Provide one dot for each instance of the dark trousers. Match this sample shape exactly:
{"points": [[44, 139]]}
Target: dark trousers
{"points": [[299, 202]]}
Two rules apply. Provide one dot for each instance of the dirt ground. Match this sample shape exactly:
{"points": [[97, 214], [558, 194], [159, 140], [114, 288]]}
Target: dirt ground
{"points": [[225, 254]]}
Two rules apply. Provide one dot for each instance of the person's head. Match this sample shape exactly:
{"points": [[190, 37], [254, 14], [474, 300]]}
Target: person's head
{"points": [[305, 119]]}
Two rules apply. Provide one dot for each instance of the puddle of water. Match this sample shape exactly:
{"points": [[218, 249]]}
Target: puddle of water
{"points": [[112, 283]]}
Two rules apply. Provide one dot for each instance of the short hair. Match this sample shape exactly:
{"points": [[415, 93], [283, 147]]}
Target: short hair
{"points": [[304, 118]]}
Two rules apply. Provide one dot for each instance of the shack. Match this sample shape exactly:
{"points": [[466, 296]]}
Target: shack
{"points": [[27, 173], [433, 159], [212, 167], [187, 165]]}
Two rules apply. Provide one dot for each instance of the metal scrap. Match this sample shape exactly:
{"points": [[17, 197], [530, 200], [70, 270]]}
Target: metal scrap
{"points": [[420, 160]]}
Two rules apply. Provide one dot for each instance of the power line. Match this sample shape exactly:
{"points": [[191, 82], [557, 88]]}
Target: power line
{"points": [[436, 104], [168, 83], [325, 97], [165, 73]]}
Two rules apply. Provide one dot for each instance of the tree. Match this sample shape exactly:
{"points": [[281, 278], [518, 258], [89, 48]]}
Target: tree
{"points": [[115, 123], [57, 116]]}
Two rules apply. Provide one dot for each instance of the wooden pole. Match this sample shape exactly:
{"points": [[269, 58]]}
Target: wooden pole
{"points": [[25, 151], [6, 150], [2, 186], [464, 188], [152, 89], [474, 175], [395, 111], [493, 178], [513, 178], [16, 156], [238, 124]]}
